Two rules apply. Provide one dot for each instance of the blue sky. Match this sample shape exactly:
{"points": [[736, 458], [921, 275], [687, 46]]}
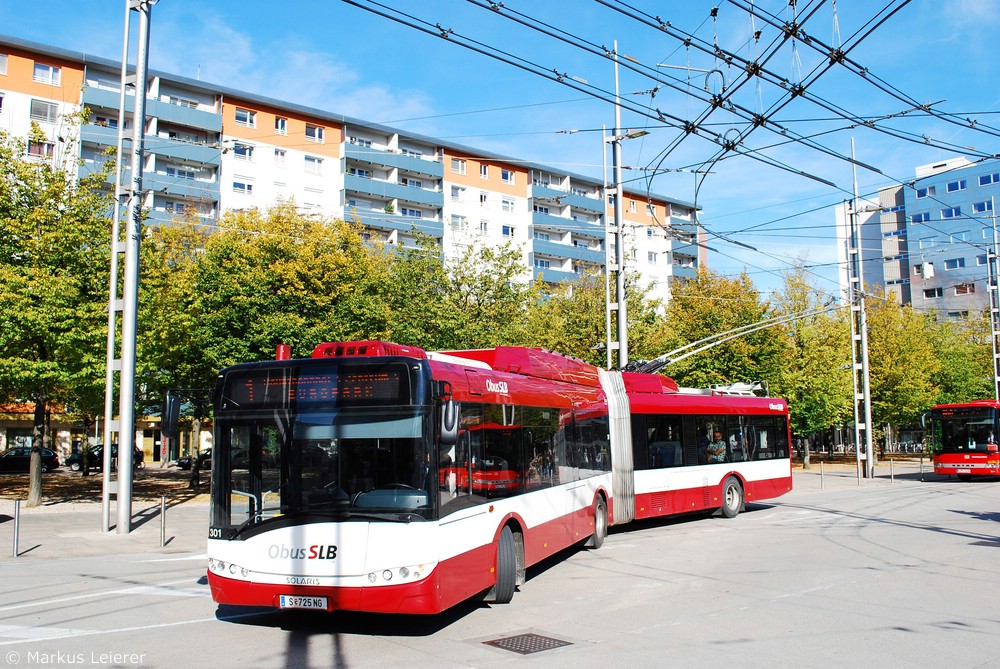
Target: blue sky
{"points": [[341, 58]]}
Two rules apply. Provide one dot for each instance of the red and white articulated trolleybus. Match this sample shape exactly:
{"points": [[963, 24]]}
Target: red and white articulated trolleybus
{"points": [[384, 478], [963, 439]]}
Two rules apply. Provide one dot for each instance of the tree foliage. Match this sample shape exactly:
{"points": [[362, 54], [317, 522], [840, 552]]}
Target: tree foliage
{"points": [[54, 247], [709, 305], [815, 376]]}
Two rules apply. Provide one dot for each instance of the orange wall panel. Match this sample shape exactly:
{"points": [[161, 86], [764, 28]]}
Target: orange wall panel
{"points": [[20, 71], [264, 133]]}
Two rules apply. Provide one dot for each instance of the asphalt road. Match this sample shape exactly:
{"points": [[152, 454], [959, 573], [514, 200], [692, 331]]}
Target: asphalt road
{"points": [[900, 573]]}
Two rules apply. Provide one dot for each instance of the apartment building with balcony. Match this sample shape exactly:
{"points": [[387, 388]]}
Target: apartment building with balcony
{"points": [[210, 148], [930, 241]]}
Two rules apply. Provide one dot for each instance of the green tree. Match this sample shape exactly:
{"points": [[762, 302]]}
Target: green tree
{"points": [[711, 304], [54, 247], [489, 298], [418, 298], [165, 354], [815, 377], [279, 277], [902, 362], [965, 352]]}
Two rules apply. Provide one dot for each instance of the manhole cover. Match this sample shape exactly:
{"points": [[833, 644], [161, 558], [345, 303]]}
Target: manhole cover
{"points": [[526, 644]]}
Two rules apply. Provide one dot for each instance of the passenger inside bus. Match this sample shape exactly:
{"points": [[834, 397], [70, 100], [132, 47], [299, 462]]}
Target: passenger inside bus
{"points": [[716, 449]]}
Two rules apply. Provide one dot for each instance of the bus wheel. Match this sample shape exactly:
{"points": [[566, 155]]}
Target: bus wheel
{"points": [[600, 523], [503, 591], [732, 497]]}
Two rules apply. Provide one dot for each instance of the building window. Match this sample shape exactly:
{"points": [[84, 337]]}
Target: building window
{"points": [[965, 289], [41, 149], [279, 157], [364, 174], [951, 212], [650, 209], [44, 111], [542, 264], [456, 193], [46, 74], [920, 218], [542, 236], [925, 192], [412, 213], [3, 63], [962, 236], [631, 206], [955, 186], [243, 187], [174, 207], [243, 151], [246, 118], [459, 222], [314, 133], [539, 209], [484, 226], [280, 125], [483, 198], [484, 171], [508, 231], [411, 182], [1, 102], [988, 179], [958, 315], [179, 173], [932, 293], [982, 207], [458, 166], [507, 176], [314, 165], [954, 263], [981, 260], [651, 257], [182, 102], [360, 141], [507, 205]]}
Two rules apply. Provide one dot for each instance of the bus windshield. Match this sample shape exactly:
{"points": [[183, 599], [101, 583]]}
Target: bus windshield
{"points": [[963, 429], [307, 442]]}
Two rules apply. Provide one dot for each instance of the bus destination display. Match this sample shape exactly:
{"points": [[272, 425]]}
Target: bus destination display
{"points": [[339, 387]]}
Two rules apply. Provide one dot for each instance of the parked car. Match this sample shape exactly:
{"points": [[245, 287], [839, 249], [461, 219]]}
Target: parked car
{"points": [[205, 458], [75, 461], [19, 460]]}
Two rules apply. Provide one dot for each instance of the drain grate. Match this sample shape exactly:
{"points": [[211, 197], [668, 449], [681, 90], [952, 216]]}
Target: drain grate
{"points": [[526, 644]]}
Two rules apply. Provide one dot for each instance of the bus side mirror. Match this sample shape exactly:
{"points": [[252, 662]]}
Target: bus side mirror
{"points": [[450, 411], [171, 415]]}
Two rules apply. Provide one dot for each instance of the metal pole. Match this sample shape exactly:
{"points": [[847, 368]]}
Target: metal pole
{"points": [[994, 267], [114, 304], [130, 307], [607, 252], [163, 522], [822, 480], [892, 477], [616, 157], [17, 525]]}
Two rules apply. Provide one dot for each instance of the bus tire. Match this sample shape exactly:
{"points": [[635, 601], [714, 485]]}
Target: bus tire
{"points": [[503, 591], [732, 497], [600, 523]]}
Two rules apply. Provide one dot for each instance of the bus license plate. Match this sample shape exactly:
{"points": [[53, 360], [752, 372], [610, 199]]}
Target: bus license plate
{"points": [[298, 602], [963, 471]]}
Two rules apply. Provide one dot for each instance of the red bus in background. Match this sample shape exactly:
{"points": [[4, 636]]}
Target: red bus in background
{"points": [[379, 477], [963, 439]]}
